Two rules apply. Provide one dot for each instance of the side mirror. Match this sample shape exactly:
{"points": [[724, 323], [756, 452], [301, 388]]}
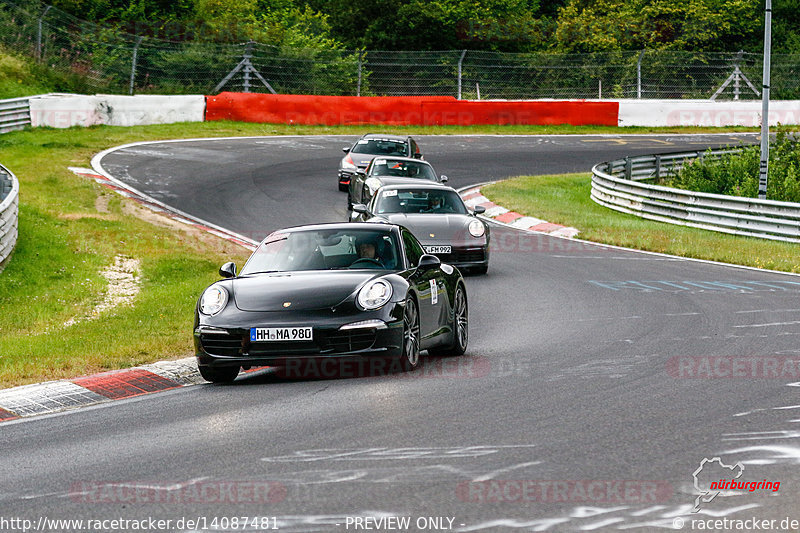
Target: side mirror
{"points": [[429, 262], [443, 178], [228, 270], [478, 209], [360, 208], [346, 149]]}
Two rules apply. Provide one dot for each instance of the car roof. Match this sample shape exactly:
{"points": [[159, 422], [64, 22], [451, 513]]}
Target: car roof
{"points": [[387, 181], [385, 137], [417, 184], [385, 228], [401, 158]]}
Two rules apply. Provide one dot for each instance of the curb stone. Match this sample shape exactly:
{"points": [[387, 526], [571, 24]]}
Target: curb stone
{"points": [[472, 197]]}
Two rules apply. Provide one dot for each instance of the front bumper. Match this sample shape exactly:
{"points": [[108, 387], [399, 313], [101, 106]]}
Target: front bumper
{"points": [[466, 257], [345, 176], [378, 333]]}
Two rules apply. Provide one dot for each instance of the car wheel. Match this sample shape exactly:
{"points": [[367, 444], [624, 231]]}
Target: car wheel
{"points": [[349, 200], [409, 360], [343, 187], [480, 270], [224, 374], [460, 326]]}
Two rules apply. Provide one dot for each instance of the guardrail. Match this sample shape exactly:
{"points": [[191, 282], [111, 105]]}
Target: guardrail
{"points": [[9, 211], [619, 185], [15, 114]]}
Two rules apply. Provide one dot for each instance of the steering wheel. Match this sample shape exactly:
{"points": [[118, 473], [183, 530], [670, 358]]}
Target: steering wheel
{"points": [[366, 260]]}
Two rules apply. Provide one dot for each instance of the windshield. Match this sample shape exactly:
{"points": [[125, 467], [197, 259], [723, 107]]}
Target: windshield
{"points": [[333, 249], [380, 147], [402, 169], [419, 201]]}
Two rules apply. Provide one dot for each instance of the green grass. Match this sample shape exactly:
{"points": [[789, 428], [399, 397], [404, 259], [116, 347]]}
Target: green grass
{"points": [[564, 199], [53, 275]]}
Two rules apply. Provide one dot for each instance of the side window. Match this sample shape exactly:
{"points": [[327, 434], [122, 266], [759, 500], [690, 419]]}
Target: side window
{"points": [[413, 250]]}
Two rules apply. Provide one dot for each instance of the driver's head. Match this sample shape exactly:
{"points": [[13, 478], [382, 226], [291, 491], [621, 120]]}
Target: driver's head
{"points": [[435, 200], [367, 247]]}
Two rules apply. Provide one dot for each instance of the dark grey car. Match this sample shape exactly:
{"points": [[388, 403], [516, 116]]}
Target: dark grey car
{"points": [[437, 217], [359, 155]]}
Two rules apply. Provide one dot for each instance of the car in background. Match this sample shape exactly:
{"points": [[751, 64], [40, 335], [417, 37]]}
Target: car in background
{"points": [[438, 217], [331, 291], [370, 145], [388, 171]]}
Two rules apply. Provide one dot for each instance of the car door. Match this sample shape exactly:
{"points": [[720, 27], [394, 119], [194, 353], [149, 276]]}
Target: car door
{"points": [[430, 289]]}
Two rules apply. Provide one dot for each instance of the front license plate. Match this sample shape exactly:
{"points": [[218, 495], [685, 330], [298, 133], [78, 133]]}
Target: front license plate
{"points": [[281, 334], [438, 249]]}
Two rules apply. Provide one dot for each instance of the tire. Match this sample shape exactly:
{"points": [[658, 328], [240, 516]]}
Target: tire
{"points": [[223, 374], [481, 270], [409, 360], [460, 326], [343, 187]]}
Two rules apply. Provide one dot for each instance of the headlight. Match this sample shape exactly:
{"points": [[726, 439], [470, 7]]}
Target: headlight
{"points": [[476, 228], [347, 163], [213, 300], [375, 294]]}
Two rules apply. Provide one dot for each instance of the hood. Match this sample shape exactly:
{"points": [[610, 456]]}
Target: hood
{"points": [[362, 160], [447, 229], [305, 290]]}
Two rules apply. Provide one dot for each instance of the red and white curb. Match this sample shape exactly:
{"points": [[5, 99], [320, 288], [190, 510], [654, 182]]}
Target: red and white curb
{"points": [[153, 204], [472, 197], [54, 396]]}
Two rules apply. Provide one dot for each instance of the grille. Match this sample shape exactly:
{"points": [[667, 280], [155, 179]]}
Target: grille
{"points": [[229, 345], [258, 349], [469, 255], [350, 341]]}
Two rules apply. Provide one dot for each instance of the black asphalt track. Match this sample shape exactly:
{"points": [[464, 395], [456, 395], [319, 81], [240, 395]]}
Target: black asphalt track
{"points": [[584, 401]]}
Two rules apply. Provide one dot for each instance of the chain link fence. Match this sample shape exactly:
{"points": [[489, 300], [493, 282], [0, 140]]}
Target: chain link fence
{"points": [[101, 59]]}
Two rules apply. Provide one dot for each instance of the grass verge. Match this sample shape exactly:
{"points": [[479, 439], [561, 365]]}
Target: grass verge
{"points": [[67, 238], [564, 199]]}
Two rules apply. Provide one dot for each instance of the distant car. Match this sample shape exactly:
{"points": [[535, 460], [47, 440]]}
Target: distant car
{"points": [[437, 216], [388, 171], [370, 145], [331, 291]]}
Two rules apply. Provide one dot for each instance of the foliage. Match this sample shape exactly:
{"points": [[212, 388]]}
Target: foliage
{"points": [[738, 174], [500, 25]]}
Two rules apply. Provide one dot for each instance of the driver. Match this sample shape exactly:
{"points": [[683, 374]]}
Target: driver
{"points": [[435, 202], [367, 248]]}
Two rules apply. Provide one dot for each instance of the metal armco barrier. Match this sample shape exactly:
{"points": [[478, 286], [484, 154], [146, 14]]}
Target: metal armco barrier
{"points": [[619, 185], [15, 114], [9, 210]]}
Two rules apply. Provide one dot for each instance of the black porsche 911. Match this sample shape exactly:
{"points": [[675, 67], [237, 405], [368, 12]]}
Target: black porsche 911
{"points": [[344, 290], [437, 216]]}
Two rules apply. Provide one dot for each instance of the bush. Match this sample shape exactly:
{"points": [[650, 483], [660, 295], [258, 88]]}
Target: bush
{"points": [[738, 174]]}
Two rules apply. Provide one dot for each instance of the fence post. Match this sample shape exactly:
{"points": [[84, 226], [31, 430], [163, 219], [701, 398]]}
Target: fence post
{"points": [[39, 35], [133, 63], [460, 60], [248, 53], [360, 63], [639, 75]]}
